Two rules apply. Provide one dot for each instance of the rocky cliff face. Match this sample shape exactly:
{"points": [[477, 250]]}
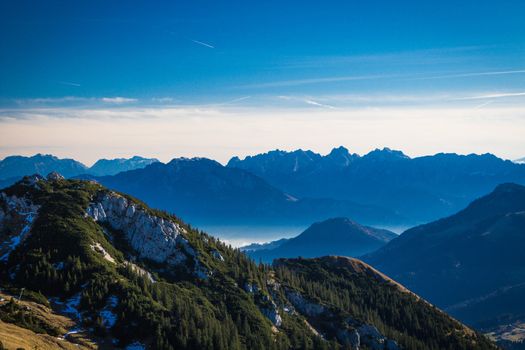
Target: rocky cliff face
{"points": [[352, 332], [16, 218], [150, 236]]}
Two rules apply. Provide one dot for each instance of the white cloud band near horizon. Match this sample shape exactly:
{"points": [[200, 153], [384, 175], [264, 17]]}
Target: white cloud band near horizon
{"points": [[88, 134]]}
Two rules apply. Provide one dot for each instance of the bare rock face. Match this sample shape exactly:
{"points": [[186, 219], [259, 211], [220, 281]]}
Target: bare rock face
{"points": [[152, 237], [54, 176], [32, 180], [16, 219], [371, 337], [349, 337], [2, 217], [272, 313], [355, 335], [304, 306]]}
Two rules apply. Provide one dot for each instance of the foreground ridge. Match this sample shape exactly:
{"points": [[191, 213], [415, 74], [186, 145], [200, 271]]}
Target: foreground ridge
{"points": [[130, 276]]}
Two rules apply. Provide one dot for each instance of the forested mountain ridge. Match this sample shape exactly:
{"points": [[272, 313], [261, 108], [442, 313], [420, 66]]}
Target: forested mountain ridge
{"points": [[471, 264], [131, 275], [205, 192]]}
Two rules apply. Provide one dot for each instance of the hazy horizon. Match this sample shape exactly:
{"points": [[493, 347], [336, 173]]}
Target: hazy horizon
{"points": [[224, 160]]}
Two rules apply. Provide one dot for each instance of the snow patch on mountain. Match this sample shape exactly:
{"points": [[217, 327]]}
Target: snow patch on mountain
{"points": [[109, 318]]}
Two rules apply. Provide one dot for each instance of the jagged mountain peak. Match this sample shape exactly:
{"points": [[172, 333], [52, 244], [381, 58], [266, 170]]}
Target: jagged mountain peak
{"points": [[54, 176], [519, 160], [386, 154], [13, 168], [279, 155], [341, 156], [117, 165], [183, 161]]}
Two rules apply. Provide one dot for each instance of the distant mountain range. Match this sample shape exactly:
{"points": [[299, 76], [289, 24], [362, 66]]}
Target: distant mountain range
{"points": [[43, 164], [13, 168], [114, 166], [205, 192], [338, 236], [253, 247], [382, 188], [471, 264], [421, 189]]}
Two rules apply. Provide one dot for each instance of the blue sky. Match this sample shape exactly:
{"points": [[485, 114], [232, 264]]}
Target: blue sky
{"points": [[143, 50], [121, 57]]}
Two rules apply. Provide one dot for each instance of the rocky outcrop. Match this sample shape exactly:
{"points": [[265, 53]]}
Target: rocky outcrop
{"points": [[349, 337], [373, 339], [2, 217], [272, 313], [251, 287], [354, 334], [97, 247], [304, 306], [54, 176], [150, 236], [140, 271], [16, 219], [215, 253], [32, 180]]}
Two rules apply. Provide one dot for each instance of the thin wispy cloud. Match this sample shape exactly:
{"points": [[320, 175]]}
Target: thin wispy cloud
{"points": [[492, 96], [298, 82], [118, 100], [72, 101], [445, 55], [52, 100], [481, 105], [69, 83], [473, 74], [203, 44], [163, 99]]}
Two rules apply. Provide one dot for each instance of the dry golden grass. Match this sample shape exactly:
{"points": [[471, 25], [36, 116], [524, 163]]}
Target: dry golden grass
{"points": [[13, 336]]}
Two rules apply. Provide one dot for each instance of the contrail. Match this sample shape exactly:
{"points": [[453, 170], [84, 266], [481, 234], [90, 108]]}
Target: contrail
{"points": [[497, 95], [483, 104], [203, 44], [234, 100], [473, 74], [315, 103], [299, 82], [69, 83]]}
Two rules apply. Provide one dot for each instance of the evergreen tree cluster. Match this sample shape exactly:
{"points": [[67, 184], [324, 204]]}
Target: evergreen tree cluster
{"points": [[370, 298]]}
